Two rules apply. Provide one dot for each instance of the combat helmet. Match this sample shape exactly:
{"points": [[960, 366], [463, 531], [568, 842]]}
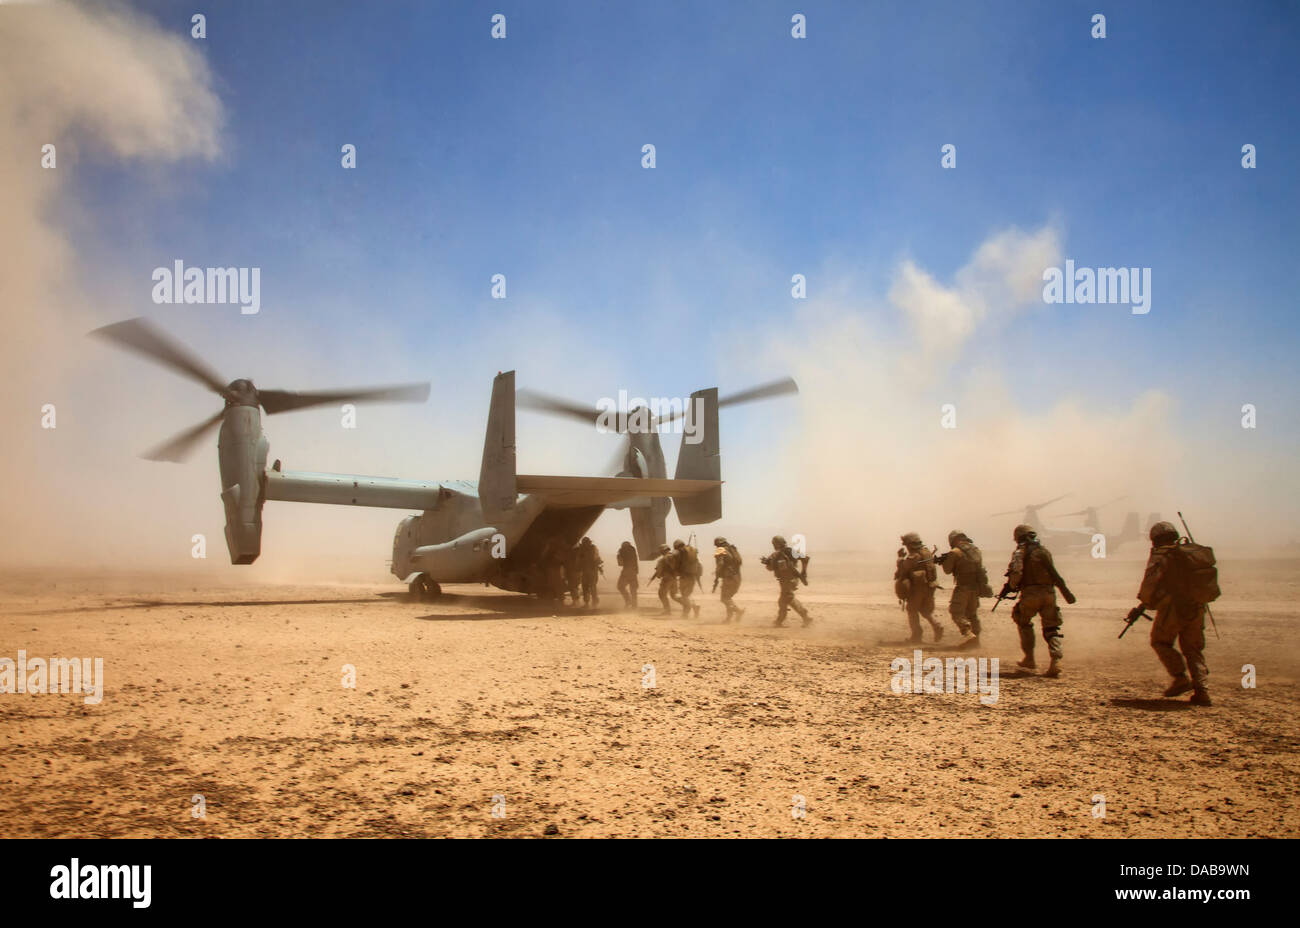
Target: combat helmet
{"points": [[778, 542], [679, 543], [1163, 533], [719, 542], [664, 549], [955, 536], [1023, 531], [911, 539]]}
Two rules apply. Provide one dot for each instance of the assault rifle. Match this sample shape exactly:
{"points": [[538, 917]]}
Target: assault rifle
{"points": [[1134, 614], [1005, 593]]}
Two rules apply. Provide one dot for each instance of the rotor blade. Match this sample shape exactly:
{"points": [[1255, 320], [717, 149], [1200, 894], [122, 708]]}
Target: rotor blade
{"points": [[180, 446], [144, 338], [761, 392], [1050, 501], [1009, 512], [1115, 500], [274, 401], [618, 463], [544, 402], [1081, 512]]}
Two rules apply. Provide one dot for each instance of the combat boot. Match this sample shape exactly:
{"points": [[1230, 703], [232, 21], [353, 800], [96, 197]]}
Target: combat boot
{"points": [[739, 612], [969, 640], [1201, 698], [938, 633], [1180, 685], [1027, 662], [1053, 669], [697, 611], [807, 620]]}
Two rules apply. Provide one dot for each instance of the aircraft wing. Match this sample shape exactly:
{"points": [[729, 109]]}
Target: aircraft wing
{"points": [[573, 492]]}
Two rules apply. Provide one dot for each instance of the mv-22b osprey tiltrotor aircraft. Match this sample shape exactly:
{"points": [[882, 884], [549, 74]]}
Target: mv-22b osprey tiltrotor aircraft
{"points": [[490, 531]]}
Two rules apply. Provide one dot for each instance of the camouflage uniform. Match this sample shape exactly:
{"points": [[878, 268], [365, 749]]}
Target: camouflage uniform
{"points": [[589, 564], [627, 584], [726, 572], [683, 568], [552, 560], [667, 578], [1033, 573], [1183, 622], [782, 563], [916, 566], [572, 573], [965, 562]]}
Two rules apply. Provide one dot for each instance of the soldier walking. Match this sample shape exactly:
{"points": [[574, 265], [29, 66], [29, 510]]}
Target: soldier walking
{"points": [[667, 579], [726, 571], [1033, 574], [966, 564], [589, 566], [1170, 587], [686, 565], [627, 575], [784, 566], [914, 581]]}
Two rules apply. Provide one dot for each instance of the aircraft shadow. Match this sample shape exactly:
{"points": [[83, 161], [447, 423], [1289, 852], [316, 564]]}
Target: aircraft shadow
{"points": [[1153, 705]]}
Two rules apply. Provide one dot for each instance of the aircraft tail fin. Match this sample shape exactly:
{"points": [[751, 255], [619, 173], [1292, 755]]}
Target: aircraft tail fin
{"points": [[497, 488], [1129, 532], [700, 459]]}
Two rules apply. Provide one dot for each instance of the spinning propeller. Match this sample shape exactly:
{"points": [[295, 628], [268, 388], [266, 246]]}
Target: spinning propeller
{"points": [[143, 338]]}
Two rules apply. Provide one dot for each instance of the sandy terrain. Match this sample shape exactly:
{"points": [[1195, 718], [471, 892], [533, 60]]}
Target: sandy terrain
{"points": [[236, 694]]}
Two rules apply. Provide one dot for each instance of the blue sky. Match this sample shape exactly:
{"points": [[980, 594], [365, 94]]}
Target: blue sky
{"points": [[522, 156], [775, 156]]}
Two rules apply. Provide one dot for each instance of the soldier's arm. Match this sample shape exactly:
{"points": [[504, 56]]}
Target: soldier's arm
{"points": [[950, 562]]}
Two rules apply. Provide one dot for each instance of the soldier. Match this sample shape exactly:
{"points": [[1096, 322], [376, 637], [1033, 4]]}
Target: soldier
{"points": [[1178, 617], [572, 573], [686, 565], [552, 561], [914, 582], [667, 579], [628, 566], [1034, 575], [783, 565], [726, 570], [589, 565], [966, 564]]}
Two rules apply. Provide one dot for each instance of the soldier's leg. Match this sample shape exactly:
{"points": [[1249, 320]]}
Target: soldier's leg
{"points": [[685, 599], [730, 587], [1025, 626], [973, 616], [914, 623], [957, 609], [799, 608], [664, 593], [783, 606], [1164, 632], [1191, 641], [1052, 619]]}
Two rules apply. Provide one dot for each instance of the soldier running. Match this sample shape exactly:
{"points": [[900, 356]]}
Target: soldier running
{"points": [[627, 575], [1179, 617], [686, 565], [589, 566], [966, 564], [667, 579], [726, 571], [914, 582], [1033, 574], [783, 565]]}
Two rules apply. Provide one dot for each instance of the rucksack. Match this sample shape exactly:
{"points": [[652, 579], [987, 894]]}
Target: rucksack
{"points": [[693, 566], [1194, 577], [735, 554]]}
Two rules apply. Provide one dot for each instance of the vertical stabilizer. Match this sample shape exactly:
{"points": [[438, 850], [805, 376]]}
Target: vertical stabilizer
{"points": [[700, 459], [496, 478]]}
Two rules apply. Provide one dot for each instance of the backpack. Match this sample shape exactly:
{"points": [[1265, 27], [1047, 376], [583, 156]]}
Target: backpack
{"points": [[1194, 577], [735, 554], [692, 561]]}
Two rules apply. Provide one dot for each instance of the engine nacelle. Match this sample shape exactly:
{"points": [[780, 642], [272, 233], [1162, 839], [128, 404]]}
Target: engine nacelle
{"points": [[241, 450]]}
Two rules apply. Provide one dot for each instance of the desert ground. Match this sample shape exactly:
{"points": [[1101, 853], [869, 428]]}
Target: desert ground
{"points": [[487, 714]]}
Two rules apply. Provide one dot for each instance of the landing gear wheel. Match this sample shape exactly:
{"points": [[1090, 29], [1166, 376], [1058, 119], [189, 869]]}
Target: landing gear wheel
{"points": [[423, 589]]}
